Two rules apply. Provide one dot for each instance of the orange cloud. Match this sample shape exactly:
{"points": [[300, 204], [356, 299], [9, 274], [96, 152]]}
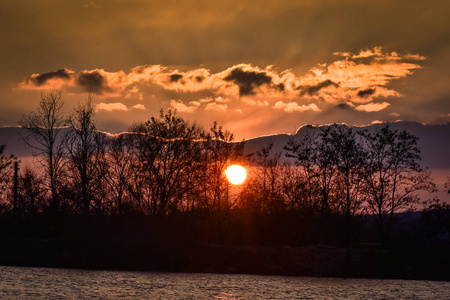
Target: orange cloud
{"points": [[371, 107], [355, 79], [293, 107], [181, 107], [380, 54], [206, 100], [111, 106], [255, 102], [216, 107], [138, 106], [50, 80]]}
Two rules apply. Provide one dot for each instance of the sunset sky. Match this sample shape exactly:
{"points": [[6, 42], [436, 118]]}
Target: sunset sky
{"points": [[257, 67]]}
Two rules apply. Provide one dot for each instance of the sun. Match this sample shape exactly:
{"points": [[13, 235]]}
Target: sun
{"points": [[236, 174]]}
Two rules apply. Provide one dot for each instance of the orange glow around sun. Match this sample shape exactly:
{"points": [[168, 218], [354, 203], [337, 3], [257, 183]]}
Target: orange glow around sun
{"points": [[236, 174]]}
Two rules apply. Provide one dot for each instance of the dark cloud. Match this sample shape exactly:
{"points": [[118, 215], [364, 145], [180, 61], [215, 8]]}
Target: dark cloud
{"points": [[248, 80], [280, 87], [175, 77], [92, 81], [344, 106], [199, 78], [366, 93], [43, 78], [314, 89]]}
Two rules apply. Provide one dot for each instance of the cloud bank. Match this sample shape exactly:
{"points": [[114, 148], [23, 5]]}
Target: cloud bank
{"points": [[352, 79], [357, 83]]}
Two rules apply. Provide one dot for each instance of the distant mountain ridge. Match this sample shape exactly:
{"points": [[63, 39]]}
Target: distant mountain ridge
{"points": [[434, 141]]}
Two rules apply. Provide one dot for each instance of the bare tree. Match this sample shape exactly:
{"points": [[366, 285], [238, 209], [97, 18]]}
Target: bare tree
{"points": [[393, 175], [220, 150], [324, 158], [315, 153], [6, 175], [297, 189], [301, 149], [447, 185], [168, 149], [86, 150], [6, 165], [32, 193], [119, 175], [266, 183], [45, 136], [350, 160]]}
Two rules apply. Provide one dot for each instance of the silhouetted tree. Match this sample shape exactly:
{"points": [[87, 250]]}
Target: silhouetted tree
{"points": [[315, 152], [392, 175], [137, 183], [6, 176], [325, 159], [219, 151], [120, 162], [266, 182], [296, 189], [168, 149], [211, 195], [447, 185], [350, 160], [32, 193], [86, 153], [301, 148], [45, 135]]}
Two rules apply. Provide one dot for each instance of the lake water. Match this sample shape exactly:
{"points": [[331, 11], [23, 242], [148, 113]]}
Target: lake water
{"points": [[43, 283]]}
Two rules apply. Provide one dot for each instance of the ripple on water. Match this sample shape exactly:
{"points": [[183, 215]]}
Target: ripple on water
{"points": [[43, 283]]}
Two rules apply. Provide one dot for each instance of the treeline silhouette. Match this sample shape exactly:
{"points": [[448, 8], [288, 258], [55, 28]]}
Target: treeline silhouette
{"points": [[148, 197]]}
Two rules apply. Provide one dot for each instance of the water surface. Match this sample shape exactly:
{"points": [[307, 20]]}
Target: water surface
{"points": [[43, 283]]}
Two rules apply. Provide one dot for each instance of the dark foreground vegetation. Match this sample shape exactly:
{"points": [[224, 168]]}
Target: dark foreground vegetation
{"points": [[156, 198], [251, 244]]}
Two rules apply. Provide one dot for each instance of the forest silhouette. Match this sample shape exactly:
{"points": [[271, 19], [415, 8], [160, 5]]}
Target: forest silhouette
{"points": [[157, 198]]}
